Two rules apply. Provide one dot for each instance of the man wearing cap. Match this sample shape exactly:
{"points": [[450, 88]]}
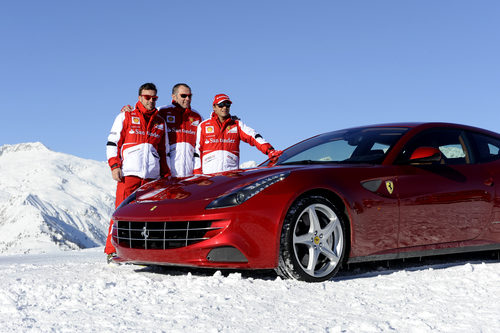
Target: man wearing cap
{"points": [[182, 122], [137, 148], [218, 140]]}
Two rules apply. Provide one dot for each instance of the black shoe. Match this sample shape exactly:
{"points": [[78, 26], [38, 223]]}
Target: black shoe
{"points": [[110, 257]]}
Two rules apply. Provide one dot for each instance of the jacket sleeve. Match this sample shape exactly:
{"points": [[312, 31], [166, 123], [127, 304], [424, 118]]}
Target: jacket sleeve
{"points": [[197, 151], [164, 150], [250, 136], [115, 140]]}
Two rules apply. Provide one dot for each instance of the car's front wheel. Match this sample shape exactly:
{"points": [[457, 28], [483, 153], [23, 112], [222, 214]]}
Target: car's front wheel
{"points": [[313, 240]]}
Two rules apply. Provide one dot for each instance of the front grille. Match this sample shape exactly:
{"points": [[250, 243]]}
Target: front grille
{"points": [[162, 235]]}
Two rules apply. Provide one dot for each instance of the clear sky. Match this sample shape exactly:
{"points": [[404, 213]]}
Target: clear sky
{"points": [[292, 68]]}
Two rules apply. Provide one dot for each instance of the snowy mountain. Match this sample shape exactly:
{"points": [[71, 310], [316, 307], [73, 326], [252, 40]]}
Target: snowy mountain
{"points": [[248, 165], [52, 201]]}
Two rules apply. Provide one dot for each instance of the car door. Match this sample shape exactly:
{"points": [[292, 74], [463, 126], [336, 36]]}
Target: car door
{"points": [[441, 202], [486, 153]]}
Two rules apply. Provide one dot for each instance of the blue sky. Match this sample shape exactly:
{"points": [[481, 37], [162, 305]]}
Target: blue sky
{"points": [[292, 68]]}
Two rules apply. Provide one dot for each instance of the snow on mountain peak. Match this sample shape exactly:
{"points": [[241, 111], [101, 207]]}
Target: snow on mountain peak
{"points": [[28, 146], [52, 201], [248, 165]]}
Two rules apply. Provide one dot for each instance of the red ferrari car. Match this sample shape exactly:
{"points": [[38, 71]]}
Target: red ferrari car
{"points": [[362, 194]]}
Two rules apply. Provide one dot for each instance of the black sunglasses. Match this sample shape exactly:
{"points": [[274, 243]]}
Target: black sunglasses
{"points": [[185, 95], [223, 104]]}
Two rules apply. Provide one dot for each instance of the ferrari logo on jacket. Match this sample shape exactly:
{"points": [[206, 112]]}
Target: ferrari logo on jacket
{"points": [[390, 186]]}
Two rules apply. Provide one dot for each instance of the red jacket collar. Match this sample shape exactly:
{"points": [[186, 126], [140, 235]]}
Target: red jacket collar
{"points": [[143, 110], [228, 121]]}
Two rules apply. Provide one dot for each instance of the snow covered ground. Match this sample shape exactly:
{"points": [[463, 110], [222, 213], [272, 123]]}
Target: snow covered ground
{"points": [[75, 291]]}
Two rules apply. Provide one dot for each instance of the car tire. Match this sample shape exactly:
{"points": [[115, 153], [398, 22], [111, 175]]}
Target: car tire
{"points": [[312, 252]]}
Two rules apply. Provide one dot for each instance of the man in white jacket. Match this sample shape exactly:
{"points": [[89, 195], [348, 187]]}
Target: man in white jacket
{"points": [[137, 148], [218, 140]]}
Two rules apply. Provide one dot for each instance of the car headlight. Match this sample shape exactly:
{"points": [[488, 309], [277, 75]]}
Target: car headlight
{"points": [[241, 195]]}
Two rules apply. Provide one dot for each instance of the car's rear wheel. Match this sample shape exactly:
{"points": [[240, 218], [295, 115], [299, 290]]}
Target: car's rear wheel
{"points": [[313, 240]]}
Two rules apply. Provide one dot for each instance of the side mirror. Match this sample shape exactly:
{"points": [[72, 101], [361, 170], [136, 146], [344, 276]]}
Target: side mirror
{"points": [[425, 155]]}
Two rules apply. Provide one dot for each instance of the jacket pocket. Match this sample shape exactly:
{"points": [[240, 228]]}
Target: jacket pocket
{"points": [[152, 162], [132, 160]]}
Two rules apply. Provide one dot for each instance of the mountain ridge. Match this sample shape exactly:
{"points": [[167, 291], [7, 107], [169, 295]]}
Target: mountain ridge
{"points": [[52, 201]]}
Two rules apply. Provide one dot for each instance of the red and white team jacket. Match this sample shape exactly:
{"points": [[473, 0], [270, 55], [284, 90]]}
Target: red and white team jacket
{"points": [[139, 148], [181, 127], [218, 145]]}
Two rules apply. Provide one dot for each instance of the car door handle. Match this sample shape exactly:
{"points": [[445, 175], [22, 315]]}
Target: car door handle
{"points": [[489, 182]]}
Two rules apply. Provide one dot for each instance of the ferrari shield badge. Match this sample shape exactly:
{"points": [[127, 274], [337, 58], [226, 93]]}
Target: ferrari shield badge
{"points": [[390, 186]]}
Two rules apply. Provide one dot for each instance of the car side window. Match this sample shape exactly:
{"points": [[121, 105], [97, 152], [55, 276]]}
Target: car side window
{"points": [[450, 142], [486, 148]]}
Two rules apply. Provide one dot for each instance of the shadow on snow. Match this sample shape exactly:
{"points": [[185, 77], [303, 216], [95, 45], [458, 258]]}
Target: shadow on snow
{"points": [[348, 272]]}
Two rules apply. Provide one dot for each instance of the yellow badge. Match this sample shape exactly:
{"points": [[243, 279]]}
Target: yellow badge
{"points": [[390, 186], [136, 120], [209, 129]]}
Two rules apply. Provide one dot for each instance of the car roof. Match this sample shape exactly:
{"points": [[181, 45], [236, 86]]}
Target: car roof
{"points": [[413, 125]]}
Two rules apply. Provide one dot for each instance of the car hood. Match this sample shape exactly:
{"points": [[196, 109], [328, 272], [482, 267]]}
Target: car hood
{"points": [[191, 196], [203, 187], [170, 197]]}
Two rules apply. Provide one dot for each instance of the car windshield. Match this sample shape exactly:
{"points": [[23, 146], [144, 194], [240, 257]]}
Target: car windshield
{"points": [[357, 145]]}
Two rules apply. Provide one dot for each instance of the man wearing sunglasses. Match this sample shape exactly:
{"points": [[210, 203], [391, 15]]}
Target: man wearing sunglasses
{"points": [[218, 140], [137, 148], [182, 122]]}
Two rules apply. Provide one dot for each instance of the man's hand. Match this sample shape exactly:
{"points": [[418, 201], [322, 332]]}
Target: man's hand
{"points": [[274, 154], [117, 174], [126, 108]]}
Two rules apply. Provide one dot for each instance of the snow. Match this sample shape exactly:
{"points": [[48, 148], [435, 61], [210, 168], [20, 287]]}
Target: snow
{"points": [[54, 213], [76, 291], [248, 165], [50, 200]]}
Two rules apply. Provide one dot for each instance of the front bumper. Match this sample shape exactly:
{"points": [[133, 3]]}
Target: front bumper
{"points": [[241, 238]]}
